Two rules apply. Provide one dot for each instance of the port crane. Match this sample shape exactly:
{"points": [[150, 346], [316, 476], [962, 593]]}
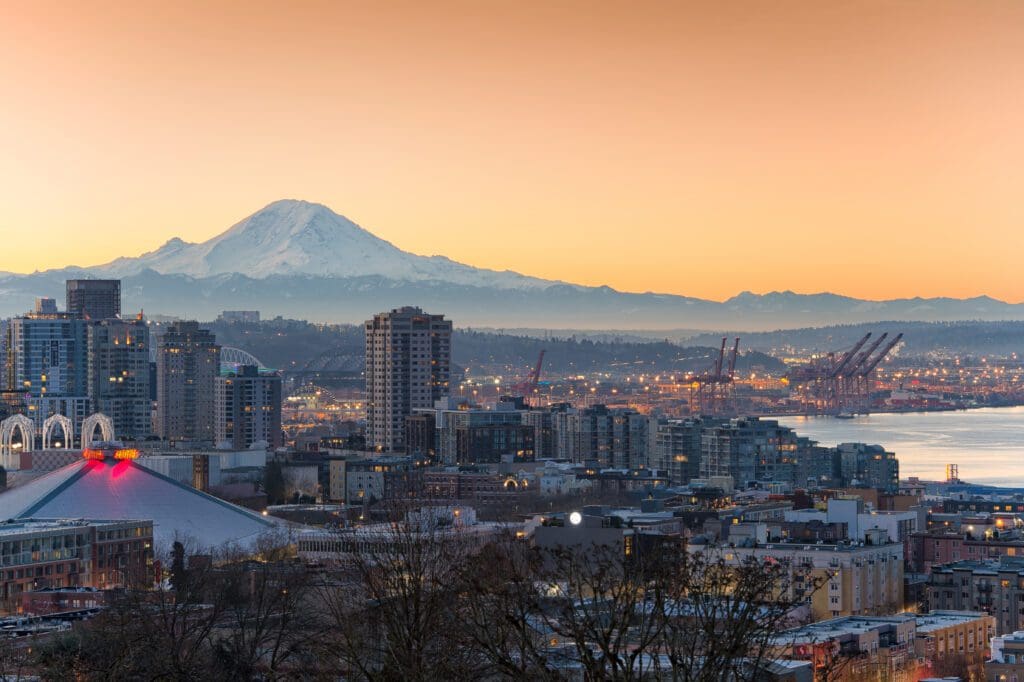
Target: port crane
{"points": [[529, 386], [832, 385], [711, 391]]}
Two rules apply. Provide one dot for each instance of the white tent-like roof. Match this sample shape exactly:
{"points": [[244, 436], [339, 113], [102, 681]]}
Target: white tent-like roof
{"points": [[121, 489]]}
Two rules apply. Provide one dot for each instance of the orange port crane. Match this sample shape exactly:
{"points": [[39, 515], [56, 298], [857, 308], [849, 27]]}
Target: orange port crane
{"points": [[712, 390], [530, 385]]}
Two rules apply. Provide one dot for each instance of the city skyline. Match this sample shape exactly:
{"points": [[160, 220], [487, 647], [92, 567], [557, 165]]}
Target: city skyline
{"points": [[867, 149]]}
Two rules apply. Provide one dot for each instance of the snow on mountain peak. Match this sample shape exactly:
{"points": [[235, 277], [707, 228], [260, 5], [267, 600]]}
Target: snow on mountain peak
{"points": [[293, 237]]}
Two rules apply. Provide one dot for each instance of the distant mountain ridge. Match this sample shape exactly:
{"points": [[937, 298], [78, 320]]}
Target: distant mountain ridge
{"points": [[302, 260]]}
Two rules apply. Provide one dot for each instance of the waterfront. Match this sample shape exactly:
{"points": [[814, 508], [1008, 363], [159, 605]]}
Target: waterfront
{"points": [[987, 444]]}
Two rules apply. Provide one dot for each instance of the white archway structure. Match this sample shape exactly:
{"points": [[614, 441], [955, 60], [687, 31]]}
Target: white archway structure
{"points": [[236, 356], [89, 425], [17, 422], [51, 423]]}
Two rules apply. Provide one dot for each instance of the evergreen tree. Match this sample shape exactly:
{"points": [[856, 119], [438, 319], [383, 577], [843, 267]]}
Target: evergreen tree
{"points": [[179, 576], [273, 483]]}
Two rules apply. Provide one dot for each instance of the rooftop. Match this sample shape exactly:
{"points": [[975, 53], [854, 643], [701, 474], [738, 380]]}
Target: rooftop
{"points": [[122, 490], [32, 525], [937, 620], [837, 627]]}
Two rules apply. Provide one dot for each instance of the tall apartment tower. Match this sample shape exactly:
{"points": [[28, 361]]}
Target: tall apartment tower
{"points": [[248, 405], [408, 366], [46, 363], [118, 375], [94, 299], [187, 365]]}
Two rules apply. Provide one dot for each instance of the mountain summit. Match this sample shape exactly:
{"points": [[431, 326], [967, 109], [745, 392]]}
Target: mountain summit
{"points": [[303, 260], [291, 238]]}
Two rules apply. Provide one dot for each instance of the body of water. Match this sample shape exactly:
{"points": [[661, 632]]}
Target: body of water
{"points": [[987, 444]]}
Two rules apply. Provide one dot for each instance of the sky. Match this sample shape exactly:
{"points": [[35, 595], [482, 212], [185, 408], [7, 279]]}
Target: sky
{"points": [[872, 149]]}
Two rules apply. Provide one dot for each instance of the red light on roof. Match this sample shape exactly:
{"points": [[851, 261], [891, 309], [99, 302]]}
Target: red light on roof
{"points": [[118, 454]]}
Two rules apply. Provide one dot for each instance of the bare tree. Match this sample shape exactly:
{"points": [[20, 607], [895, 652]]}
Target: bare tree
{"points": [[722, 617], [269, 624], [392, 607], [608, 605], [500, 608]]}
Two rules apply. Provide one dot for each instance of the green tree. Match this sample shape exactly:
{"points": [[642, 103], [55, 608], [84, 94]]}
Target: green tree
{"points": [[273, 483]]}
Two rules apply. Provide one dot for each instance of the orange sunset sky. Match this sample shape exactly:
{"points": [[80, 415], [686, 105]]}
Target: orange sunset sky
{"points": [[874, 149]]}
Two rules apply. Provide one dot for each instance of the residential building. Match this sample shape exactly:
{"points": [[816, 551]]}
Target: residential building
{"points": [[421, 434], [677, 448], [456, 483], [94, 299], [869, 465], [118, 375], [858, 578], [995, 586], [408, 366], [55, 553], [248, 408], [468, 436], [945, 639], [610, 437], [900, 646], [187, 365], [751, 450], [355, 480], [46, 354], [47, 363], [1007, 662], [971, 542]]}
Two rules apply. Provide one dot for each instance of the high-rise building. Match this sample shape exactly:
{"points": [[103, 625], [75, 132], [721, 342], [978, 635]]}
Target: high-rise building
{"points": [[408, 366], [677, 447], [47, 363], [468, 434], [248, 406], [94, 299], [118, 375], [750, 449], [187, 364], [612, 437], [869, 465]]}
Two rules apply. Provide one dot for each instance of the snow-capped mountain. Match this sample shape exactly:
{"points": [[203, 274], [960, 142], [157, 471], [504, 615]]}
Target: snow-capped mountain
{"points": [[291, 237], [302, 260]]}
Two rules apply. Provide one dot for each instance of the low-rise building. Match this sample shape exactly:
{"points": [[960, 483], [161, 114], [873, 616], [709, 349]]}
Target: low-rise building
{"points": [[946, 639], [994, 586], [380, 541], [900, 646], [59, 553], [1007, 662], [355, 479], [857, 578]]}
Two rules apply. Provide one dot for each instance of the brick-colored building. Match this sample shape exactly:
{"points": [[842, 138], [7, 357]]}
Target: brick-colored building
{"points": [[38, 553]]}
